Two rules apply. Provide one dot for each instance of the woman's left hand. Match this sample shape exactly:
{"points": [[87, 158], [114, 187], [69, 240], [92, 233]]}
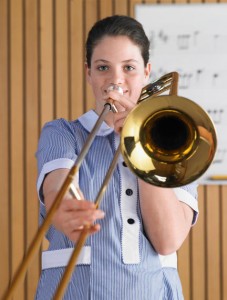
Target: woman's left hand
{"points": [[123, 106]]}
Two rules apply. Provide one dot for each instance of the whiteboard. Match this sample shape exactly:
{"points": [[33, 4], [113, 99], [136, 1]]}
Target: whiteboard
{"points": [[192, 40]]}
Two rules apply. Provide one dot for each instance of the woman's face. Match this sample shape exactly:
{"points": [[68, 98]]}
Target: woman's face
{"points": [[117, 60]]}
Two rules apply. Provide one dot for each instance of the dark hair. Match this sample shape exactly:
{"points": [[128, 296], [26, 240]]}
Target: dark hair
{"points": [[117, 26]]}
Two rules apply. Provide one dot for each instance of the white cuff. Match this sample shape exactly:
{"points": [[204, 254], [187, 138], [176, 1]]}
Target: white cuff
{"points": [[60, 258]]}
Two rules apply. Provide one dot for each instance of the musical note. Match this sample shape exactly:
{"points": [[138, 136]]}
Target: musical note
{"points": [[185, 80], [216, 114], [183, 41], [162, 36], [198, 74], [195, 37], [215, 76]]}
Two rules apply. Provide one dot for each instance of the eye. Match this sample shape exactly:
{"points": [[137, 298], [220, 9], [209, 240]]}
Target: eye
{"points": [[129, 68], [102, 68]]}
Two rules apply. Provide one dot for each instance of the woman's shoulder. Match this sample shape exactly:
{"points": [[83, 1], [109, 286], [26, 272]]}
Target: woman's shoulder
{"points": [[61, 123], [60, 126]]}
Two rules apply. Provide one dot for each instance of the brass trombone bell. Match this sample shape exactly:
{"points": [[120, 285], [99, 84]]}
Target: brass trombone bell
{"points": [[168, 141]]}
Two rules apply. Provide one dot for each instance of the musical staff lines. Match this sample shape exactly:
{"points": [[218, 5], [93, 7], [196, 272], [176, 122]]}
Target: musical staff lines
{"points": [[191, 39], [198, 78], [194, 42]]}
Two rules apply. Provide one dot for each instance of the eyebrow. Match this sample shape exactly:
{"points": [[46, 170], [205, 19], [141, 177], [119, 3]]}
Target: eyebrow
{"points": [[124, 61]]}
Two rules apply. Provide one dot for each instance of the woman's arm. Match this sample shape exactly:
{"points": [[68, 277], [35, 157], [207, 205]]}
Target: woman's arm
{"points": [[166, 219]]}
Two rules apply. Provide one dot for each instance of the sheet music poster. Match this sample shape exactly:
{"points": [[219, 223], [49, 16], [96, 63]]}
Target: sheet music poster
{"points": [[192, 40]]}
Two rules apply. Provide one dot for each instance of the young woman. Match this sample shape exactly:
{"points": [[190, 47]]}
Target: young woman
{"points": [[139, 227]]}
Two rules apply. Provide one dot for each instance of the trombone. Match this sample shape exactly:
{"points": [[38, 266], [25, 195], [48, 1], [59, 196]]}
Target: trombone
{"points": [[166, 140]]}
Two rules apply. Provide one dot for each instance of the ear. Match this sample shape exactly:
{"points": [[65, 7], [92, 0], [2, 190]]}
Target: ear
{"points": [[88, 73], [147, 71]]}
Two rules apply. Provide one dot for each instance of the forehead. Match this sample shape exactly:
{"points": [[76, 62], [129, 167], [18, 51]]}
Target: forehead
{"points": [[110, 47]]}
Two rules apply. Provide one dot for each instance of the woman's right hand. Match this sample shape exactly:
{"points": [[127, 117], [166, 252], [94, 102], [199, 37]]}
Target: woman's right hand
{"points": [[72, 214]]}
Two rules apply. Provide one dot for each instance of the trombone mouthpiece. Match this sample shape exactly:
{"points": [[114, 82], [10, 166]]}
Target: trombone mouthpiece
{"points": [[115, 87]]}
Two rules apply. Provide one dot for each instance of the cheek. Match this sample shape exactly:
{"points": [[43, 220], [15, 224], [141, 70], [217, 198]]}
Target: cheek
{"points": [[137, 89], [135, 95], [96, 88]]}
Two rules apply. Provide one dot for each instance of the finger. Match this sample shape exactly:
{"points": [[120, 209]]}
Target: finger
{"points": [[74, 204], [78, 220], [75, 235], [111, 100], [84, 218], [119, 120], [120, 100], [95, 228], [91, 229], [112, 95]]}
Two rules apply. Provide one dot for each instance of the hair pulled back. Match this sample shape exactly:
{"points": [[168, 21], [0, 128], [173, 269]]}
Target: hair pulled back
{"points": [[117, 26]]}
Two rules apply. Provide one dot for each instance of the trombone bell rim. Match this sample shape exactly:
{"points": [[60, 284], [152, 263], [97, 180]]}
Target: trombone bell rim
{"points": [[172, 167]]}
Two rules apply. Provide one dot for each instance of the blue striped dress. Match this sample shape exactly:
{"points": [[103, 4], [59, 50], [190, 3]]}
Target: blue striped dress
{"points": [[117, 263]]}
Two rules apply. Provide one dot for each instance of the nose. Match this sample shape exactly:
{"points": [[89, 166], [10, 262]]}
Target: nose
{"points": [[117, 76]]}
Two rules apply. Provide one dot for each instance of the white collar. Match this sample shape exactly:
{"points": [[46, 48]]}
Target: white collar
{"points": [[88, 120]]}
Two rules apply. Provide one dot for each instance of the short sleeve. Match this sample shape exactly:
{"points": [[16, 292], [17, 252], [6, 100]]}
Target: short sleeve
{"points": [[189, 195], [56, 149]]}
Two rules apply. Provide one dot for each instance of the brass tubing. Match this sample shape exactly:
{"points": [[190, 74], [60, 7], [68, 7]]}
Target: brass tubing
{"points": [[168, 82]]}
